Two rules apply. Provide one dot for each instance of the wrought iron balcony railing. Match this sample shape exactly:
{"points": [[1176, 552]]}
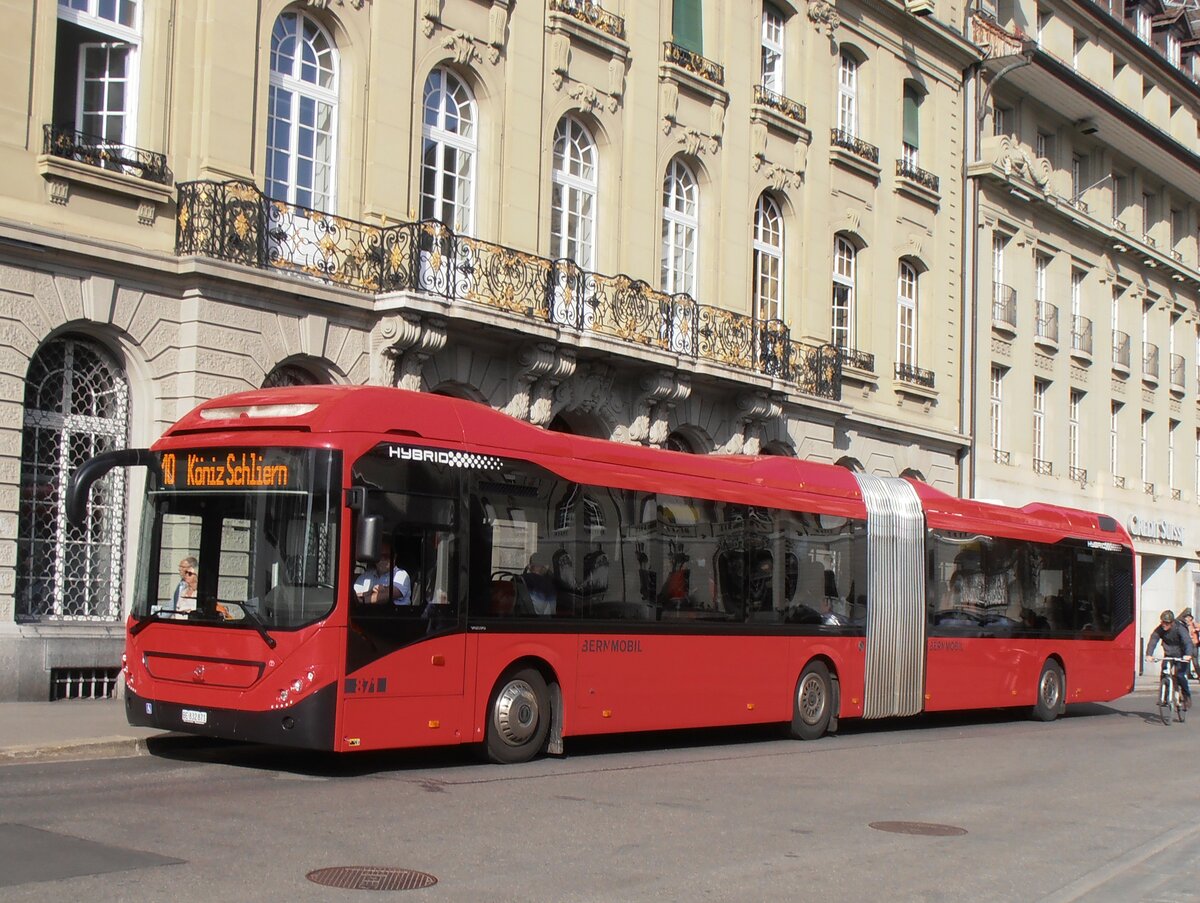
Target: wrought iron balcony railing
{"points": [[784, 106], [1047, 321], [1004, 304], [908, 170], [858, 360], [96, 151], [234, 221], [1177, 371], [693, 63], [1118, 482], [907, 373], [1045, 468], [592, 14], [855, 145], [1001, 457], [1150, 360], [1077, 475], [1177, 495], [1120, 349], [1081, 335], [1079, 204], [1148, 488]]}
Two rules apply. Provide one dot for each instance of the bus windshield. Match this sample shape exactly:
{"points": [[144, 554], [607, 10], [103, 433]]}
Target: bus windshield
{"points": [[241, 537]]}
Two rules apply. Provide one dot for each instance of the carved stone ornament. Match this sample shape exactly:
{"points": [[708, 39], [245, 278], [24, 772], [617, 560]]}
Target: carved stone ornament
{"points": [[462, 46], [497, 28], [695, 142], [560, 56], [588, 98], [780, 177], [822, 14], [616, 83], [431, 13]]}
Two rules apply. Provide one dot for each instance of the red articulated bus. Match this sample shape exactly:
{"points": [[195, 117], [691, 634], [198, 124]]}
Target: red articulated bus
{"points": [[381, 569]]}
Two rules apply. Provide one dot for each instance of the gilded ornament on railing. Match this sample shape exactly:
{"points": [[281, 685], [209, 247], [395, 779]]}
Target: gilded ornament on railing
{"points": [[234, 221], [593, 14], [692, 62]]}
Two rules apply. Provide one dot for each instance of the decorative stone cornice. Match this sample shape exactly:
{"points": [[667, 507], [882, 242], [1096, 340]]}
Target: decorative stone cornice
{"points": [[823, 15], [325, 4], [411, 338]]}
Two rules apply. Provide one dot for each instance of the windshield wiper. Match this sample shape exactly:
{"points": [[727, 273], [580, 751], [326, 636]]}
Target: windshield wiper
{"points": [[258, 624]]}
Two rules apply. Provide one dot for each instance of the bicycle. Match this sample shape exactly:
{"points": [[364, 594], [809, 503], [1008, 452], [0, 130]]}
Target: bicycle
{"points": [[1170, 690]]}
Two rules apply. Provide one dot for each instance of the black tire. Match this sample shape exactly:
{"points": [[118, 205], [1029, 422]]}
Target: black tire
{"points": [[812, 703], [518, 717], [1051, 689], [1180, 705], [1165, 692]]}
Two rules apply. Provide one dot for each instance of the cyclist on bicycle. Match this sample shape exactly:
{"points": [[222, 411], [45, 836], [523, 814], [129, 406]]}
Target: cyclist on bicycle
{"points": [[1177, 643]]}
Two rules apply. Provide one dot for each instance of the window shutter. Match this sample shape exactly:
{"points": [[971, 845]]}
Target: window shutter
{"points": [[687, 25], [912, 129]]}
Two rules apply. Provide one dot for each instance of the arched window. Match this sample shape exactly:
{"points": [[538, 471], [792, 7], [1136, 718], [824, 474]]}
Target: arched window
{"points": [[680, 224], [573, 181], [906, 316], [286, 375], [768, 259], [848, 95], [76, 406], [844, 254], [449, 144], [677, 441], [302, 113], [772, 49]]}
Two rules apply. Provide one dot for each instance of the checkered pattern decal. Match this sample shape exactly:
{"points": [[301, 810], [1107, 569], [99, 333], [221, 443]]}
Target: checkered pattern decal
{"points": [[460, 459]]}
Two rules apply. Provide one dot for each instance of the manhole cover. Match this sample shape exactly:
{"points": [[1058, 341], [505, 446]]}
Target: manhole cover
{"points": [[369, 877], [917, 827]]}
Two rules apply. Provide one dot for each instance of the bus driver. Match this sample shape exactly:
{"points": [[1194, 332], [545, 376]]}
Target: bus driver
{"points": [[385, 582]]}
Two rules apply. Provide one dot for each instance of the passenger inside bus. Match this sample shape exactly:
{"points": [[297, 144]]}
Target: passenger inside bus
{"points": [[538, 586]]}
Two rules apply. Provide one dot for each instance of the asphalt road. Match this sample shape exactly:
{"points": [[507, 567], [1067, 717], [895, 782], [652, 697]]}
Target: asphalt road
{"points": [[1098, 806]]}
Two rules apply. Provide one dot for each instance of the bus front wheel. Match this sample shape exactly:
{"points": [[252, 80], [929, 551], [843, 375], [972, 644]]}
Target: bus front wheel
{"points": [[518, 717], [1050, 692], [812, 706]]}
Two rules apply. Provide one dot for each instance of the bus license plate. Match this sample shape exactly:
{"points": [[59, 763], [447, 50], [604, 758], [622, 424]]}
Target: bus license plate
{"points": [[192, 716]]}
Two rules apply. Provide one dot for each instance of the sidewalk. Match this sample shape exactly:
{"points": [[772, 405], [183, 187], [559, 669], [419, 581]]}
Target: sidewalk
{"points": [[70, 729]]}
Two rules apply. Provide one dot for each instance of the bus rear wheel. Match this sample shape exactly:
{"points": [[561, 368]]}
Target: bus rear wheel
{"points": [[812, 706], [518, 720], [1050, 692]]}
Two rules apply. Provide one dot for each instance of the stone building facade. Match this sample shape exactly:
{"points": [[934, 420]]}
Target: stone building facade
{"points": [[703, 224], [1084, 211]]}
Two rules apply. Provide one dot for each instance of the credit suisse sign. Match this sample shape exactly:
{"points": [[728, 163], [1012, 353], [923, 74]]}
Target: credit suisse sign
{"points": [[1155, 530]]}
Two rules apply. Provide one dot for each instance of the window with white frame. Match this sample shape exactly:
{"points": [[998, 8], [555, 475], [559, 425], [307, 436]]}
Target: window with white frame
{"points": [[1172, 430], [1174, 49], [772, 49], [1141, 23], [1149, 214], [844, 261], [1073, 408], [1145, 447], [1040, 386], [1078, 176], [996, 408], [1041, 264], [999, 242], [449, 145], [1114, 438], [847, 121], [573, 181], [768, 259], [1002, 120], [1114, 308], [1077, 277], [680, 229], [96, 82], [906, 315], [1196, 468], [302, 113], [911, 139]]}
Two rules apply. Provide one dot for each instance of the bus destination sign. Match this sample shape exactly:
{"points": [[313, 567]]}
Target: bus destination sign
{"points": [[224, 470]]}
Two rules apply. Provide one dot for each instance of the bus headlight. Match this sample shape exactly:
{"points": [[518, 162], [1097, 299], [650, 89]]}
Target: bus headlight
{"points": [[291, 693]]}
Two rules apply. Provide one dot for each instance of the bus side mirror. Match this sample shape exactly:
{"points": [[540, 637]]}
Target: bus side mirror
{"points": [[368, 545]]}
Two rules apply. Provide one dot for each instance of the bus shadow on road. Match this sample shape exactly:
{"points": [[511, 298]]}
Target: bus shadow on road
{"points": [[767, 739]]}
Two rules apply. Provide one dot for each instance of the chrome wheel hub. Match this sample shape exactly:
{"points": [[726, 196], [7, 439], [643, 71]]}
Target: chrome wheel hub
{"points": [[515, 715]]}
